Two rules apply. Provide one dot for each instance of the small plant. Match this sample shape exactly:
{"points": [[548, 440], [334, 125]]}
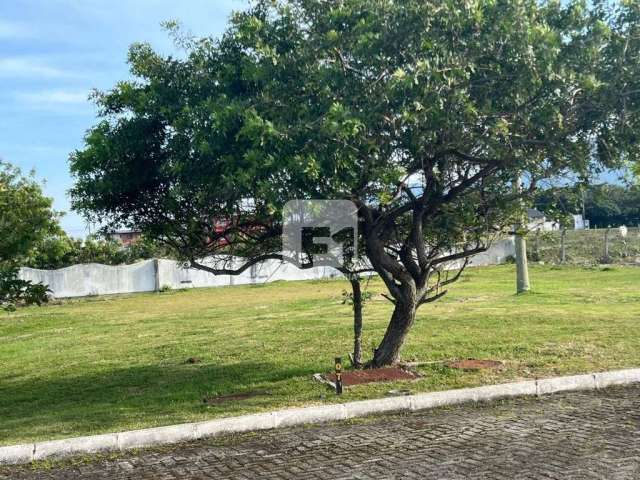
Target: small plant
{"points": [[15, 292], [510, 260], [347, 297], [165, 288]]}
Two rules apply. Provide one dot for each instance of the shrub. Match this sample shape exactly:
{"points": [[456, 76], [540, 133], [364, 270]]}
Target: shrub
{"points": [[16, 292]]}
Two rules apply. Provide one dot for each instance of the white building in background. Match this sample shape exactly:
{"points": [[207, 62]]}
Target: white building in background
{"points": [[538, 221], [126, 238], [624, 231], [579, 223]]}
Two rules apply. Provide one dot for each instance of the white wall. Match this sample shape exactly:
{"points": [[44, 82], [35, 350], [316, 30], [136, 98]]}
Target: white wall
{"points": [[496, 255], [148, 276], [95, 279], [174, 275]]}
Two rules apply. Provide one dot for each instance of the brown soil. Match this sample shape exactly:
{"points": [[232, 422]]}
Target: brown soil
{"points": [[228, 398], [359, 377], [472, 364]]}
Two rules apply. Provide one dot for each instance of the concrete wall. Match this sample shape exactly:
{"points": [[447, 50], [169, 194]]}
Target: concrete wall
{"points": [[150, 275], [496, 255], [174, 275], [95, 279]]}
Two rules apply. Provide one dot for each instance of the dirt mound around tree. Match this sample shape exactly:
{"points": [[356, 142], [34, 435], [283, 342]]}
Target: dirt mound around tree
{"points": [[375, 375]]}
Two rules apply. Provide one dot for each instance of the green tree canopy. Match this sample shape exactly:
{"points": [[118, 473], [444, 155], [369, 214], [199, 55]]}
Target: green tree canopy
{"points": [[26, 218], [26, 214], [420, 112], [60, 250], [604, 204]]}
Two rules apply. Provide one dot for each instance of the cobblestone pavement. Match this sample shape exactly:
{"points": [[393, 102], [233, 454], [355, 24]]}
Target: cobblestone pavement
{"points": [[590, 435]]}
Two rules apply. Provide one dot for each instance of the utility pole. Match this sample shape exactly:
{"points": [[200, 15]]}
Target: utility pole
{"points": [[563, 246], [522, 266], [606, 258]]}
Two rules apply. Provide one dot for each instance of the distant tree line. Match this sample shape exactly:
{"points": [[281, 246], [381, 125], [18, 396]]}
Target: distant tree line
{"points": [[60, 250], [604, 205]]}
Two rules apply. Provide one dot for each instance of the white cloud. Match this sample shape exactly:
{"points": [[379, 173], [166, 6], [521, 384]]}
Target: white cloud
{"points": [[54, 97], [27, 67], [13, 30]]}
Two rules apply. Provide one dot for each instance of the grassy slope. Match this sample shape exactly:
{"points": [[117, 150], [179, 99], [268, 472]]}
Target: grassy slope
{"points": [[109, 364], [586, 246]]}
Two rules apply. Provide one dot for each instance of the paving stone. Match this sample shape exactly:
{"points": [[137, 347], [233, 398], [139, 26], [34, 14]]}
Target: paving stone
{"points": [[579, 435]]}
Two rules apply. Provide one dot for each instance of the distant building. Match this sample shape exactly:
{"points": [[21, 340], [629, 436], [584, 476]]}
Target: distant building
{"points": [[579, 223], [224, 231], [538, 221], [126, 237]]}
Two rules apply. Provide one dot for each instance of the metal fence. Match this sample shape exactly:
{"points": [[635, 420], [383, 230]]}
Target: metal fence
{"points": [[586, 247]]}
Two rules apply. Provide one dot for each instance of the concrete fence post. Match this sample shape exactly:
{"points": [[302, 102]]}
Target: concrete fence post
{"points": [[156, 272]]}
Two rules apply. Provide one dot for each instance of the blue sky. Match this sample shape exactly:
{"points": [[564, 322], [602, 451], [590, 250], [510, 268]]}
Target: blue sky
{"points": [[53, 52]]}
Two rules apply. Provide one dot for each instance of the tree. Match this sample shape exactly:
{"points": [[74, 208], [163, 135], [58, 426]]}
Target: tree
{"points": [[26, 218], [26, 214], [420, 112]]}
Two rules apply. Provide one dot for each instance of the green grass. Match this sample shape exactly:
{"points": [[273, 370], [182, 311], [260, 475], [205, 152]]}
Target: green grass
{"points": [[118, 363], [585, 247]]}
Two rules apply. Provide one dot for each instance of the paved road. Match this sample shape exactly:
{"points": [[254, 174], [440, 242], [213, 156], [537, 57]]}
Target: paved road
{"points": [[593, 435]]}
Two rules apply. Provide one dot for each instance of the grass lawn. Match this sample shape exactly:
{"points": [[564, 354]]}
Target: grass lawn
{"points": [[110, 364]]}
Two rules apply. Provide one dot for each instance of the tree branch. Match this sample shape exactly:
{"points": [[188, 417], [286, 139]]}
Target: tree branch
{"points": [[433, 299], [247, 265], [458, 256]]}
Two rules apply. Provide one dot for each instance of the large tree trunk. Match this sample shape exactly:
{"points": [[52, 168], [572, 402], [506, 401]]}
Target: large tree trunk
{"points": [[357, 322], [388, 353]]}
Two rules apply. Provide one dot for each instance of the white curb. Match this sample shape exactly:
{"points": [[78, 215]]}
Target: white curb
{"points": [[562, 384], [619, 377], [17, 454], [75, 446], [154, 436]]}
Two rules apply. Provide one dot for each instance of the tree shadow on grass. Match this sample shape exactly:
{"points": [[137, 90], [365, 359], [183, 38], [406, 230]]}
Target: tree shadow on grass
{"points": [[137, 397]]}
